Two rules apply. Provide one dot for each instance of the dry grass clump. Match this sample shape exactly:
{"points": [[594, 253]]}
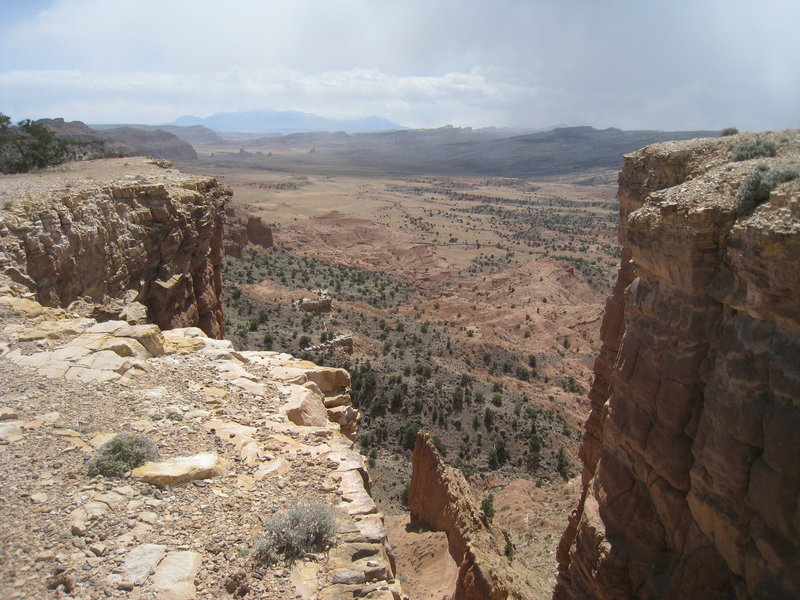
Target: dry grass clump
{"points": [[758, 185], [290, 533]]}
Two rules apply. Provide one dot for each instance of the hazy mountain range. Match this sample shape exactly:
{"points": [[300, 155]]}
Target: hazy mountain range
{"points": [[283, 121], [465, 151]]}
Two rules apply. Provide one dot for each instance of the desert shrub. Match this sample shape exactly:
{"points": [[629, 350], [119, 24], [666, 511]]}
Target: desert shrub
{"points": [[292, 532], [408, 435], [122, 453], [728, 131], [509, 550], [753, 149], [756, 187]]}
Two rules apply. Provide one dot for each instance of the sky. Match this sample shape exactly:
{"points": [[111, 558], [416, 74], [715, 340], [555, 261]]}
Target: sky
{"points": [[632, 64]]}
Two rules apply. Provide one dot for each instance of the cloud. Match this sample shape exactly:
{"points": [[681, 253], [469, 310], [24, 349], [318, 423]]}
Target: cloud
{"points": [[624, 63]]}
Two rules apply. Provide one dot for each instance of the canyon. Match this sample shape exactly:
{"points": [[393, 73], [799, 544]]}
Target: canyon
{"points": [[111, 296]]}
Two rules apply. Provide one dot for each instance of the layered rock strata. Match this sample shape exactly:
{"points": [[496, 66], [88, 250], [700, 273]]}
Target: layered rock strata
{"points": [[691, 479], [440, 498], [116, 231]]}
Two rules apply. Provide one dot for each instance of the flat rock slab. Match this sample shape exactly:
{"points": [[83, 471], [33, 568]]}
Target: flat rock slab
{"points": [[10, 431], [142, 561], [180, 470], [174, 578]]}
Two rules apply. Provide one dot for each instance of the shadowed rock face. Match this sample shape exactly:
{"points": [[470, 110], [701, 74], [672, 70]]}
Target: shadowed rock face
{"points": [[691, 452], [123, 230]]}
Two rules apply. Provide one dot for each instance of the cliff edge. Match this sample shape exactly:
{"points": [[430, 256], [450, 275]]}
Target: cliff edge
{"points": [[111, 232], [242, 436], [691, 475]]}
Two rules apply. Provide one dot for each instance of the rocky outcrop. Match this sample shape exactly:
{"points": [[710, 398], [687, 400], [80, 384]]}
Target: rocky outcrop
{"points": [[243, 230], [109, 232], [691, 478], [318, 305], [440, 498]]}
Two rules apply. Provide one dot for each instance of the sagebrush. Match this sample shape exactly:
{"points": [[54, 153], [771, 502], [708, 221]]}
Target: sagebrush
{"points": [[758, 185], [291, 533], [122, 453], [753, 149]]}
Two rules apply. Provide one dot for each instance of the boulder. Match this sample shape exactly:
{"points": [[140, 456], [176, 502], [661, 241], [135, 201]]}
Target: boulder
{"points": [[180, 470]]}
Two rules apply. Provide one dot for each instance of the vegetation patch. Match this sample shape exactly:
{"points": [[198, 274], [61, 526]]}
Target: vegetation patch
{"points": [[30, 145], [758, 185], [753, 149], [291, 533], [122, 453]]}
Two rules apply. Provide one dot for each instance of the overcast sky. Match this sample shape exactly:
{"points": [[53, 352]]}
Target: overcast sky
{"points": [[633, 64]]}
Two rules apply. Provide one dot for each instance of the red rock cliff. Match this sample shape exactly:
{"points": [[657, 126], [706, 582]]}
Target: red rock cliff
{"points": [[439, 497], [691, 453], [118, 230]]}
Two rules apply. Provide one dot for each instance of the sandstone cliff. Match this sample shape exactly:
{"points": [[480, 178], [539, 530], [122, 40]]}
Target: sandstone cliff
{"points": [[440, 498], [691, 478], [116, 231]]}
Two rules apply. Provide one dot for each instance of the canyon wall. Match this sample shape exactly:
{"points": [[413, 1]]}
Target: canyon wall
{"points": [[691, 452], [440, 498], [110, 232]]}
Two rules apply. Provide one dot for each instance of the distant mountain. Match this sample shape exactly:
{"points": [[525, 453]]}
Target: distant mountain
{"points": [[491, 151], [284, 121], [194, 134]]}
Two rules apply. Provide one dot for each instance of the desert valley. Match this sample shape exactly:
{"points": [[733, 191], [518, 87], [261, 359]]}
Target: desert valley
{"points": [[437, 359]]}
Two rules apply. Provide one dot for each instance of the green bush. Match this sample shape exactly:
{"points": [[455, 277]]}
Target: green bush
{"points": [[756, 187], [487, 506], [728, 131], [122, 453], [290, 533], [563, 464], [753, 149]]}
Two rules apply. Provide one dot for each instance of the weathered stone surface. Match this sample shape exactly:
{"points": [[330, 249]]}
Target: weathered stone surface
{"points": [[141, 562], [10, 431], [180, 470], [174, 577], [160, 236], [8, 414], [691, 477], [305, 407]]}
